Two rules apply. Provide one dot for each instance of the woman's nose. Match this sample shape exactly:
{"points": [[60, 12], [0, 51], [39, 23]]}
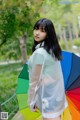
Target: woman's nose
{"points": [[37, 32]]}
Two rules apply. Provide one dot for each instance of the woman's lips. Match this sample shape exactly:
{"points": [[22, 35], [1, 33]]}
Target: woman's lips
{"points": [[36, 37]]}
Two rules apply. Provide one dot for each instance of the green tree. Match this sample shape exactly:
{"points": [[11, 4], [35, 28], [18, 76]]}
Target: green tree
{"points": [[17, 19]]}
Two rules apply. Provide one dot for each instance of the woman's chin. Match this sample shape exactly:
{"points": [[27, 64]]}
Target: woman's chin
{"points": [[37, 40]]}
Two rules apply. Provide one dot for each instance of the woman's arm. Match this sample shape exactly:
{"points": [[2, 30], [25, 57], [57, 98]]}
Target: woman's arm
{"points": [[34, 81]]}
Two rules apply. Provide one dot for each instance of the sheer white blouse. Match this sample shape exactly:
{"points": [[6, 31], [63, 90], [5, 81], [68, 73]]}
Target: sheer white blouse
{"points": [[46, 84]]}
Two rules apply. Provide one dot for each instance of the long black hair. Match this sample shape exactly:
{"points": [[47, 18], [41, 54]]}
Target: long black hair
{"points": [[51, 41]]}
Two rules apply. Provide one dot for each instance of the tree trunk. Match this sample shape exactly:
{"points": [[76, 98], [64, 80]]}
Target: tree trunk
{"points": [[64, 38], [60, 31], [77, 36], [23, 49], [70, 35]]}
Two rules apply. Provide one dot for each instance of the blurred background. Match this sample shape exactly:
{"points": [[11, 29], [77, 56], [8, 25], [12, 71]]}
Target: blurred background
{"points": [[17, 18]]}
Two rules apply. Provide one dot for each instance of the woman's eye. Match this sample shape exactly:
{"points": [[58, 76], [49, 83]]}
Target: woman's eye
{"points": [[42, 30], [35, 28]]}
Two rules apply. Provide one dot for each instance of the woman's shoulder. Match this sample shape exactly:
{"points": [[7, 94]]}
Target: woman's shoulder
{"points": [[41, 51]]}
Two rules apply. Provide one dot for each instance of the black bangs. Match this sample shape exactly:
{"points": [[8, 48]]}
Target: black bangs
{"points": [[40, 25]]}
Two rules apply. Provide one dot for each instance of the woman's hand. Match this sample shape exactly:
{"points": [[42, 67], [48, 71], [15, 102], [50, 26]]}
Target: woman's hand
{"points": [[35, 108]]}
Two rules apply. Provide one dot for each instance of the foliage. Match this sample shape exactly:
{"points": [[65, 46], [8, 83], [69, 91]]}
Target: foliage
{"points": [[8, 84], [17, 17], [77, 42]]}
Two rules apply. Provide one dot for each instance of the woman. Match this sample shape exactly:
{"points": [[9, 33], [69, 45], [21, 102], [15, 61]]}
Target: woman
{"points": [[46, 86]]}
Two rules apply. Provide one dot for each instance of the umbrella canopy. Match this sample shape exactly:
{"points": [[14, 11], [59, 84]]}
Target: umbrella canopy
{"points": [[22, 96], [71, 73]]}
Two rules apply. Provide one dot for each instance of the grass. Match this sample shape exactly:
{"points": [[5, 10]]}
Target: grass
{"points": [[8, 85]]}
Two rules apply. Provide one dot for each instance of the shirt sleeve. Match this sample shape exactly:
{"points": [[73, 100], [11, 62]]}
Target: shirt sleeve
{"points": [[38, 58], [34, 80]]}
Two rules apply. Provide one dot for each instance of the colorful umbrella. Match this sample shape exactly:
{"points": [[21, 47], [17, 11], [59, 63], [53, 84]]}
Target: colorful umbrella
{"points": [[22, 97], [71, 73]]}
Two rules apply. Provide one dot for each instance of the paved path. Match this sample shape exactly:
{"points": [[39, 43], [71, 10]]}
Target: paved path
{"points": [[10, 62]]}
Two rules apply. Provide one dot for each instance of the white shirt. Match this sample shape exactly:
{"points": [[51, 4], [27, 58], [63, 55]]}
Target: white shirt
{"points": [[46, 86]]}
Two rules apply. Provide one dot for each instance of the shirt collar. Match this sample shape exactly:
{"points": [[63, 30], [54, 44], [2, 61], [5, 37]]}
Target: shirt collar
{"points": [[39, 45], [42, 44]]}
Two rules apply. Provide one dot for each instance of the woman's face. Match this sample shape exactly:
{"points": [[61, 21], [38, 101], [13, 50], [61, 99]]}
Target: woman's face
{"points": [[39, 34]]}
